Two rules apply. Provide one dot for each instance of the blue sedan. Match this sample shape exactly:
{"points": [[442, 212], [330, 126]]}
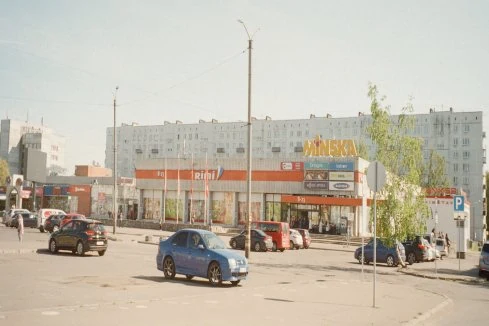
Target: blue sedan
{"points": [[200, 253]]}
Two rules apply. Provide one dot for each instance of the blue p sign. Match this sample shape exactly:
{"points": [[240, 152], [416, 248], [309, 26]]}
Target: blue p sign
{"points": [[458, 203]]}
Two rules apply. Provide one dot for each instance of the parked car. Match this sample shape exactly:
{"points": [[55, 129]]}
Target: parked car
{"points": [[201, 253], [385, 254], [30, 220], [484, 260], [80, 236], [52, 223], [279, 231], [44, 213], [259, 241], [71, 216], [306, 238], [296, 240], [11, 213], [441, 246]]}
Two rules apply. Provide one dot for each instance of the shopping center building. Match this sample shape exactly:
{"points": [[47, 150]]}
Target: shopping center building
{"points": [[324, 189]]}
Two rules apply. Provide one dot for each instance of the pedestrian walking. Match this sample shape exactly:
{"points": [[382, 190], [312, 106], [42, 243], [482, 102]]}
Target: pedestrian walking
{"points": [[20, 227], [119, 217]]}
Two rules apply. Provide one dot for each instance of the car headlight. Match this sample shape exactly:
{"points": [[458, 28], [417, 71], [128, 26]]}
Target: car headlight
{"points": [[232, 262]]}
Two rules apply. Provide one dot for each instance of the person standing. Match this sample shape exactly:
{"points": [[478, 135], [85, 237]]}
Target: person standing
{"points": [[20, 226]]}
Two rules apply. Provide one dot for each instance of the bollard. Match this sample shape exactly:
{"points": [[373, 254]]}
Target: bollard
{"points": [[148, 238]]}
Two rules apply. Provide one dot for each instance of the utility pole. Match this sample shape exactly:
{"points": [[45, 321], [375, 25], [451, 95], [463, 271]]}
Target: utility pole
{"points": [[248, 156], [114, 197]]}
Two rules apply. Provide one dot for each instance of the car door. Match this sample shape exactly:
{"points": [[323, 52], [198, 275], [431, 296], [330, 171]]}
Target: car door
{"points": [[240, 240], [63, 235], [196, 262], [381, 251], [74, 233], [179, 251]]}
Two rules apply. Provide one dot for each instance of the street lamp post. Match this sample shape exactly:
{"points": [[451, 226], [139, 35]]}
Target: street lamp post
{"points": [[248, 180], [114, 199]]}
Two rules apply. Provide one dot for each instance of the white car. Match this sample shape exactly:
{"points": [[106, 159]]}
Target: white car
{"points": [[441, 246], [296, 239]]}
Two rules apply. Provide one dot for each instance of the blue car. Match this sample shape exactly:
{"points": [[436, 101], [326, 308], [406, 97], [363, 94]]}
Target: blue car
{"points": [[201, 253], [385, 254]]}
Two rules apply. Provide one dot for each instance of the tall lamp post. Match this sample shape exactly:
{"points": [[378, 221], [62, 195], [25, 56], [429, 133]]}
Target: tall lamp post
{"points": [[114, 199], [248, 180]]}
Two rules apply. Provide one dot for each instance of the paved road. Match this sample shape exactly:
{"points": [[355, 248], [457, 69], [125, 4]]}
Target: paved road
{"points": [[315, 287]]}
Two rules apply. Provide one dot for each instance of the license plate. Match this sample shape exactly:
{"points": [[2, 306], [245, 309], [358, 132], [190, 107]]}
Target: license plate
{"points": [[242, 270], [100, 243]]}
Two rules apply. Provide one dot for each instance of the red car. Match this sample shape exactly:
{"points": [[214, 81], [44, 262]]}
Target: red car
{"points": [[306, 237], [71, 216]]}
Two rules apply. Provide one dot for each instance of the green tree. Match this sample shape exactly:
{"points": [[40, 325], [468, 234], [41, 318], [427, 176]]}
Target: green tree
{"points": [[435, 174], [403, 211], [487, 202], [4, 171], [362, 150]]}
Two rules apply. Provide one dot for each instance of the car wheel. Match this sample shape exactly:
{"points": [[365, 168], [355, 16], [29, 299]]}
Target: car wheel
{"points": [[55, 228], [41, 228], [257, 246], [233, 244], [53, 247], [80, 251], [282, 249], [292, 246], [189, 277], [214, 274], [390, 261], [101, 252], [169, 267], [306, 247], [274, 246], [411, 258], [235, 283]]}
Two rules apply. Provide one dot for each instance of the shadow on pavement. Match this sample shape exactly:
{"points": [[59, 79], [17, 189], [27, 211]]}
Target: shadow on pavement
{"points": [[195, 282]]}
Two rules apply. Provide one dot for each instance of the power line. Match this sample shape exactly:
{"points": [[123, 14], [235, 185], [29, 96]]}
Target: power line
{"points": [[153, 94]]}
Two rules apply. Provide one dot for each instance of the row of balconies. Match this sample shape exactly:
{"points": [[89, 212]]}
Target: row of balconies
{"points": [[220, 150]]}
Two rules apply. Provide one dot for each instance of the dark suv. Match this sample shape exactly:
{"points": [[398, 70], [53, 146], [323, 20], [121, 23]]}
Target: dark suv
{"points": [[80, 236], [416, 251]]}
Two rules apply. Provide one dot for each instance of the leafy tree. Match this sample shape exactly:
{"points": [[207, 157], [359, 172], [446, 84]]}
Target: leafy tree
{"points": [[487, 201], [435, 173], [4, 171], [403, 211], [362, 150]]}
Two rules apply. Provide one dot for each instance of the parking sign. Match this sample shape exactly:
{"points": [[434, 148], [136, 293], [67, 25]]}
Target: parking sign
{"points": [[458, 203]]}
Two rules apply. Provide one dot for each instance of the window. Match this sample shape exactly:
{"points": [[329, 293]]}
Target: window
{"points": [[455, 155], [466, 155], [455, 167], [180, 239], [455, 181], [466, 180], [455, 142], [466, 167], [466, 142], [466, 128]]}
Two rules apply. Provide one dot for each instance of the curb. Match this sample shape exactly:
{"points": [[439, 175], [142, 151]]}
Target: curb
{"points": [[17, 251], [444, 278], [424, 316]]}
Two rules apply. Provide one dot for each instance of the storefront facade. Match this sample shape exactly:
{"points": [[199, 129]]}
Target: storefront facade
{"points": [[321, 193]]}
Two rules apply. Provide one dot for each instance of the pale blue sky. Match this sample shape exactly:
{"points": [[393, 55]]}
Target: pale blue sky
{"points": [[184, 60]]}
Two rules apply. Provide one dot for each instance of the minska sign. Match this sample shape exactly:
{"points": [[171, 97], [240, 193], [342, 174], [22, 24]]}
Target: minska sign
{"points": [[330, 147]]}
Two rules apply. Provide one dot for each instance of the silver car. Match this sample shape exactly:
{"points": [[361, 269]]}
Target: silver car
{"points": [[484, 260]]}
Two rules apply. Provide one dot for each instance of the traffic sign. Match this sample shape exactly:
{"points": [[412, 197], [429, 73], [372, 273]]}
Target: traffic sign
{"points": [[376, 176], [458, 203]]}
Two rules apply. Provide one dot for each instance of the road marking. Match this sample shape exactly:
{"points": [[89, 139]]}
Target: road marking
{"points": [[141, 307], [211, 301], [50, 313]]}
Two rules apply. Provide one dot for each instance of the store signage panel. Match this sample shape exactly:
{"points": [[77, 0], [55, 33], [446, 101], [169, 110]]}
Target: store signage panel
{"points": [[316, 185], [292, 166], [341, 176], [341, 186], [316, 165], [315, 175], [341, 166]]}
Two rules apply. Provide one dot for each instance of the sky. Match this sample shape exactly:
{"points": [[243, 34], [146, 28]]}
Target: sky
{"points": [[61, 61]]}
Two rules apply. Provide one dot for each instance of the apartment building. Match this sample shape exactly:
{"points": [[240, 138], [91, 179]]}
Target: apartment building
{"points": [[17, 135], [457, 136]]}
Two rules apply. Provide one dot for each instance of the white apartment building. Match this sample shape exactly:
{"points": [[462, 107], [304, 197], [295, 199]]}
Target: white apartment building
{"points": [[457, 136], [17, 135]]}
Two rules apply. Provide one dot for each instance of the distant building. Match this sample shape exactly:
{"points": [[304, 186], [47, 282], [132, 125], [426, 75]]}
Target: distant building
{"points": [[457, 136], [17, 135], [92, 171]]}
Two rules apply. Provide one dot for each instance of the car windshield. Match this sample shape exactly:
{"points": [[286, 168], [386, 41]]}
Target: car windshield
{"points": [[212, 241]]}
